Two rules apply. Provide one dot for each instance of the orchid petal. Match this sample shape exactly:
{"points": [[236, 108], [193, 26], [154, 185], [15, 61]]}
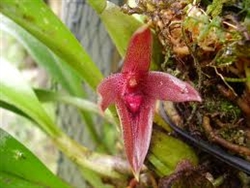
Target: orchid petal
{"points": [[137, 129], [164, 86], [109, 89], [138, 55]]}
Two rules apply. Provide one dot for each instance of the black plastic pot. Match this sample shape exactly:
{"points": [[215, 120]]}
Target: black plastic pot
{"points": [[210, 148]]}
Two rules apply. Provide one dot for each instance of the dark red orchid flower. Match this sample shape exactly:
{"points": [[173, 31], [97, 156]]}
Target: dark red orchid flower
{"points": [[135, 90]]}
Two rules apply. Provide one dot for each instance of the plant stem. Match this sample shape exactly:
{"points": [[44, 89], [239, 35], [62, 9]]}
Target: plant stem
{"points": [[105, 165]]}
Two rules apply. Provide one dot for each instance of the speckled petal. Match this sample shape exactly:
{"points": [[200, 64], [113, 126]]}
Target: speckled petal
{"points": [[163, 86], [137, 129], [109, 89]]}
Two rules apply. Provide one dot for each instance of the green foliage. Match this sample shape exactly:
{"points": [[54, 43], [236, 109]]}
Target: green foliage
{"points": [[19, 94], [39, 20], [20, 168], [98, 5], [119, 25], [166, 152], [85, 105], [56, 67]]}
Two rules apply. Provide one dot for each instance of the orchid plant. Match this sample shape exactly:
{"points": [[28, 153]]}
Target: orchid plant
{"points": [[134, 92]]}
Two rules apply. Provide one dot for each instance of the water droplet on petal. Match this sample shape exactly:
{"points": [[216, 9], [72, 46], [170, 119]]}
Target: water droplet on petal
{"points": [[184, 90]]}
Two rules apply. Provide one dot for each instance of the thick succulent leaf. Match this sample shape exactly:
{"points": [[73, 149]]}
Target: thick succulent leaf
{"points": [[109, 89], [20, 168], [166, 152], [164, 86], [138, 55], [137, 128]]}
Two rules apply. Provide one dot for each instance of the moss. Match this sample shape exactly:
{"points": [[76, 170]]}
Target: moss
{"points": [[234, 135], [227, 109]]}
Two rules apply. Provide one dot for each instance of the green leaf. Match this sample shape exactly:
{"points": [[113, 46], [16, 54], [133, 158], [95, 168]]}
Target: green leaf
{"points": [[16, 92], [35, 17], [105, 143], [57, 68], [166, 152], [14, 109], [82, 104], [13, 181], [97, 5], [120, 26], [20, 168]]}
